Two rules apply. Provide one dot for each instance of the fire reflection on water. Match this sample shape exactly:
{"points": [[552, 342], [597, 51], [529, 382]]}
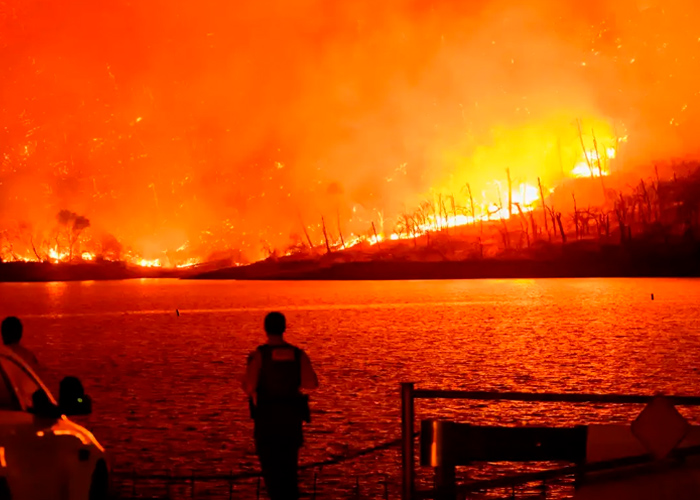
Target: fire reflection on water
{"points": [[144, 365]]}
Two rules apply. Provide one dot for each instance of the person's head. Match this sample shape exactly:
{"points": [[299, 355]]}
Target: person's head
{"points": [[275, 323], [11, 330]]}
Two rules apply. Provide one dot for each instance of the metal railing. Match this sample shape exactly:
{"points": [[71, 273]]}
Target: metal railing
{"points": [[167, 485], [409, 394]]}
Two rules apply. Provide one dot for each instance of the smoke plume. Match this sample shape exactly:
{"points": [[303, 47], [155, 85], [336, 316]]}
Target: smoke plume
{"points": [[205, 125]]}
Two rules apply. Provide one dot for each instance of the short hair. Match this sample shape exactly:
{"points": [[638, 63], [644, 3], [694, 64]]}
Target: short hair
{"points": [[275, 323], [11, 330]]}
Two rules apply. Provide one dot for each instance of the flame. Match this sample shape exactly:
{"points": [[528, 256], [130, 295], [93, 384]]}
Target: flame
{"points": [[175, 159], [57, 257], [189, 263], [589, 164], [149, 263], [519, 148]]}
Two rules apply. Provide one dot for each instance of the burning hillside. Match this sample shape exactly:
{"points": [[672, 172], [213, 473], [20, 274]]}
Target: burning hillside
{"points": [[167, 135]]}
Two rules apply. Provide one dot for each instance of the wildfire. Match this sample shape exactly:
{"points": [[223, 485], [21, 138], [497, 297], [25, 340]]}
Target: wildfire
{"points": [[57, 257], [541, 152], [189, 263], [149, 263], [434, 118], [593, 164], [461, 207]]}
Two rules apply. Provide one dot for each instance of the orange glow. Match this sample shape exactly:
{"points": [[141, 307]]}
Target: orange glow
{"points": [[149, 263], [229, 137], [589, 165]]}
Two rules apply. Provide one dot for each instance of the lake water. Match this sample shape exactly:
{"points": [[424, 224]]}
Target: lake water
{"points": [[166, 388]]}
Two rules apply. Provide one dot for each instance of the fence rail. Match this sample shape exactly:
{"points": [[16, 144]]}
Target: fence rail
{"points": [[167, 485], [133, 483], [551, 397], [229, 486], [409, 394]]}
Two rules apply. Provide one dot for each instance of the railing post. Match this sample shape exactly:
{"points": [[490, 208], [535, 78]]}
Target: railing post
{"points": [[230, 485], [407, 448], [168, 486], [445, 482]]}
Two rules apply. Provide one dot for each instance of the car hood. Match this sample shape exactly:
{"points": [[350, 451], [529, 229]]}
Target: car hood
{"points": [[64, 427]]}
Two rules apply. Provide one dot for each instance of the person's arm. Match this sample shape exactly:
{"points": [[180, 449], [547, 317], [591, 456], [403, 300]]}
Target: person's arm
{"points": [[309, 380], [250, 379]]}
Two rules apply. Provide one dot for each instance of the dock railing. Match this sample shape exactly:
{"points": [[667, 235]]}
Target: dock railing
{"points": [[409, 393], [170, 485]]}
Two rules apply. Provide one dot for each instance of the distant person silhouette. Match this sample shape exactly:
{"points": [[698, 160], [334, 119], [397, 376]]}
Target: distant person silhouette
{"points": [[275, 374], [11, 335]]}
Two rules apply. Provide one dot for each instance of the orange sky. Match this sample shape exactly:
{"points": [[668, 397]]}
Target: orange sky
{"points": [[222, 124]]}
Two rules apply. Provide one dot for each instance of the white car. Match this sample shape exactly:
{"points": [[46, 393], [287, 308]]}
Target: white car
{"points": [[43, 455]]}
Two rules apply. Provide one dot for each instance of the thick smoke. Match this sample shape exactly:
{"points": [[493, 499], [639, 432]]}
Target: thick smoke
{"points": [[223, 124]]}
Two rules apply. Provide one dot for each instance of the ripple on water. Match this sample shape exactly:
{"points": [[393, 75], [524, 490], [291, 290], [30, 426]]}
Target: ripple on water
{"points": [[166, 388]]}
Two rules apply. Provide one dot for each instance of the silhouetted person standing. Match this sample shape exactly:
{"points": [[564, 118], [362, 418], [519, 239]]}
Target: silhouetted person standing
{"points": [[275, 375], [11, 335]]}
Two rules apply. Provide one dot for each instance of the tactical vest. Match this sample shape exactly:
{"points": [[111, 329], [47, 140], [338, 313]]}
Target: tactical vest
{"points": [[277, 412]]}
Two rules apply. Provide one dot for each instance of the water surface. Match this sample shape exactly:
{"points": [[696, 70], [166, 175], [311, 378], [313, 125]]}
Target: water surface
{"points": [[166, 388]]}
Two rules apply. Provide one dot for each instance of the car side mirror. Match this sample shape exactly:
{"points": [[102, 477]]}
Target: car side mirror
{"points": [[72, 399], [43, 407]]}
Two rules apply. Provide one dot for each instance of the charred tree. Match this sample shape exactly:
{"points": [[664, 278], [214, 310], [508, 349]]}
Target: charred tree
{"points": [[325, 235], [340, 231], [544, 210], [576, 218], [481, 220], [510, 193], [376, 236], [523, 224], [533, 224], [306, 232], [583, 148], [621, 214], [597, 156], [73, 225]]}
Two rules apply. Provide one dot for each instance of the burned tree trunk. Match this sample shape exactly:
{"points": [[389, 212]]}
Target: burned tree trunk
{"points": [[510, 193], [504, 234], [597, 156], [583, 148], [523, 224], [325, 235], [376, 236], [31, 240], [556, 221], [533, 224], [561, 228], [471, 202], [621, 213], [306, 233], [340, 231], [544, 209]]}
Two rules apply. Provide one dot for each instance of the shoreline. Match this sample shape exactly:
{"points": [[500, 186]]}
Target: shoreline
{"points": [[568, 262], [614, 261], [502, 269], [44, 272]]}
